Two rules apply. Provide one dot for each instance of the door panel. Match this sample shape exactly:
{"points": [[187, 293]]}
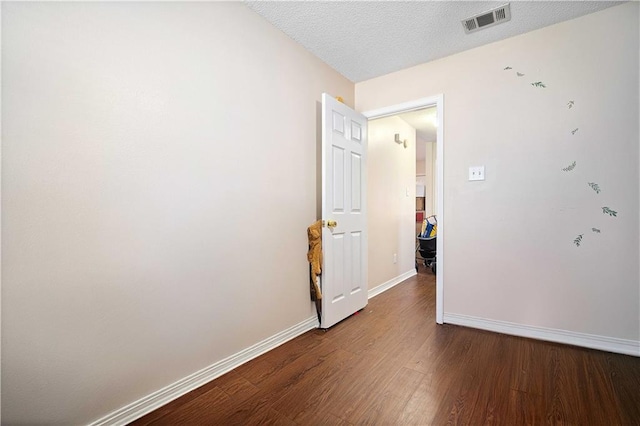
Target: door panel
{"points": [[356, 256], [356, 183], [338, 179]]}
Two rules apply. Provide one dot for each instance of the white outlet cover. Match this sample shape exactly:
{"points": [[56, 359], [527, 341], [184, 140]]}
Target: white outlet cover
{"points": [[476, 173]]}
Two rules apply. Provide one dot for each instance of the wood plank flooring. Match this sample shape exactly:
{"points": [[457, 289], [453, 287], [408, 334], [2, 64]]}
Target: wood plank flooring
{"points": [[391, 364]]}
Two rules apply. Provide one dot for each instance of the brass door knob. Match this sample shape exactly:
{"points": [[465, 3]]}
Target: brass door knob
{"points": [[331, 224]]}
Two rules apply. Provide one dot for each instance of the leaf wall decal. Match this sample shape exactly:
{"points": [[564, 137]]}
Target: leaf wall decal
{"points": [[607, 210], [538, 84], [578, 240], [573, 132], [596, 230], [595, 187], [569, 167], [570, 104], [507, 68]]}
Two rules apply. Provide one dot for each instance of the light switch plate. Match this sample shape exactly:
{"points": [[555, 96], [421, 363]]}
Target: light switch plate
{"points": [[476, 173]]}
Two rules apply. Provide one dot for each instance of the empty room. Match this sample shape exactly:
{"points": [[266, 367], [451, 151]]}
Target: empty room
{"points": [[157, 267]]}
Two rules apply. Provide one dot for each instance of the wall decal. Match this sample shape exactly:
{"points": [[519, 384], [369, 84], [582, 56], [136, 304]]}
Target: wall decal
{"points": [[595, 187], [578, 240], [570, 104]]}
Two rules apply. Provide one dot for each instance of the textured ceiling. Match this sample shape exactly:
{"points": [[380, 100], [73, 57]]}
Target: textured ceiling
{"points": [[366, 39]]}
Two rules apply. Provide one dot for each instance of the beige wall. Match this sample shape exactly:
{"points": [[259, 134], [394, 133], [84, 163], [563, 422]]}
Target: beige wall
{"points": [[509, 248], [138, 141], [390, 173], [429, 177]]}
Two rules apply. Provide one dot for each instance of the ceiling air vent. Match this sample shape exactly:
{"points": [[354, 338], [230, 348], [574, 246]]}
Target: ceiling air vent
{"points": [[487, 19]]}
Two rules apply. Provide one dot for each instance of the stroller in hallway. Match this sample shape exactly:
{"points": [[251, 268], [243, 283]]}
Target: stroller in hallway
{"points": [[426, 245]]}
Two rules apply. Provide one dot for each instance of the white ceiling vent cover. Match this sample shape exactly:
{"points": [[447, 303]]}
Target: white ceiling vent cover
{"points": [[487, 19]]}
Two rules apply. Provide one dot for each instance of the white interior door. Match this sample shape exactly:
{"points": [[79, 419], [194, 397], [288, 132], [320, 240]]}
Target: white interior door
{"points": [[344, 211]]}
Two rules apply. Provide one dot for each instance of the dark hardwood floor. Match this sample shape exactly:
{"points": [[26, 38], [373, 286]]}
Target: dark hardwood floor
{"points": [[391, 364]]}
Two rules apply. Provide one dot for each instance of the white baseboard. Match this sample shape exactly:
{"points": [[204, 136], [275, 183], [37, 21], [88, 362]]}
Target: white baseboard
{"points": [[153, 401], [391, 283], [603, 343], [175, 390]]}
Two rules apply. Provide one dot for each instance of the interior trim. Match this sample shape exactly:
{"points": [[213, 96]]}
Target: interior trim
{"points": [[373, 292], [157, 399], [592, 341]]}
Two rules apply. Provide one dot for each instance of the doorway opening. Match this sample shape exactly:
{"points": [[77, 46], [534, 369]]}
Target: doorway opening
{"points": [[425, 123], [406, 109]]}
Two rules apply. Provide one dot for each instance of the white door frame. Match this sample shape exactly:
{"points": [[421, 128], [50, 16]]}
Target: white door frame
{"points": [[438, 102]]}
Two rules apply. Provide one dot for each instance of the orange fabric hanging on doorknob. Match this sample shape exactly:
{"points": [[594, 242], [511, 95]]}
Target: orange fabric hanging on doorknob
{"points": [[314, 256]]}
